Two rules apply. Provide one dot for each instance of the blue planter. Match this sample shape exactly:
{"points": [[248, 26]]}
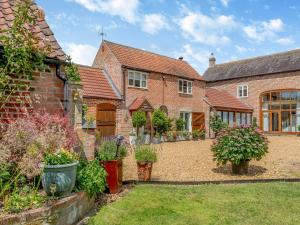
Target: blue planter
{"points": [[59, 179]]}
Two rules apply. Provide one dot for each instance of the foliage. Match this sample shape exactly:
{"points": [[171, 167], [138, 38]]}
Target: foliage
{"points": [[91, 178], [145, 153], [108, 151], [186, 134], [71, 70], [239, 144], [202, 133], [179, 124], [217, 124], [62, 157], [22, 52], [224, 204], [5, 176], [196, 134], [254, 122], [171, 135], [139, 119], [298, 127], [160, 121], [23, 200]]}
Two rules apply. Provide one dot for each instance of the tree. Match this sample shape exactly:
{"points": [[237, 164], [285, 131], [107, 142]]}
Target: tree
{"points": [[138, 120]]}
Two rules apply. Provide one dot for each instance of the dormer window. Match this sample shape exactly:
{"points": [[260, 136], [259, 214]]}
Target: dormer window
{"points": [[137, 79], [242, 91], [185, 86]]}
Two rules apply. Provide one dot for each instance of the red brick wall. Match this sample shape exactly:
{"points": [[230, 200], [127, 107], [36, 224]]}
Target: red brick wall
{"points": [[259, 84], [46, 93]]}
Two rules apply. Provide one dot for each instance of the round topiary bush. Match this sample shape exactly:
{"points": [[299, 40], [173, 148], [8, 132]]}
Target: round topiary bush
{"points": [[239, 145]]}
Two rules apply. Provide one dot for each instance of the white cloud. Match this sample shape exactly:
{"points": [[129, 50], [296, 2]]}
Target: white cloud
{"points": [[225, 2], [125, 9], [265, 30], [285, 41], [152, 23], [81, 53], [241, 49], [207, 30]]}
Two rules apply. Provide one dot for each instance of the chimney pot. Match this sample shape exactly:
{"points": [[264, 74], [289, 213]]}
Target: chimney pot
{"points": [[212, 60], [180, 58]]}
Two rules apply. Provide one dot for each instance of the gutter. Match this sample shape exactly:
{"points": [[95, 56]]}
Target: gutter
{"points": [[58, 74]]}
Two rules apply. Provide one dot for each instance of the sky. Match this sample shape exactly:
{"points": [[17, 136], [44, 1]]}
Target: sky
{"points": [[231, 29]]}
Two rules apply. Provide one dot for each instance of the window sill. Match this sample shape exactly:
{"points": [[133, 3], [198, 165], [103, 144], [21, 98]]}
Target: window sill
{"points": [[185, 94], [140, 88]]}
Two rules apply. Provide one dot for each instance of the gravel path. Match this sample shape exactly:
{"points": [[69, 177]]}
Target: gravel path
{"points": [[192, 161]]}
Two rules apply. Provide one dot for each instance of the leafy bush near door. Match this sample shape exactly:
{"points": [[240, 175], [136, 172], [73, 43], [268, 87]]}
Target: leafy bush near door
{"points": [[161, 122]]}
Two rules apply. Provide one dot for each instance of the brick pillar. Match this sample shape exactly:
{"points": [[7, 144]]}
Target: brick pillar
{"points": [[74, 109]]}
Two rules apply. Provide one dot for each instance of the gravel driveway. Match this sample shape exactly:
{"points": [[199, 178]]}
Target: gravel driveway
{"points": [[192, 161]]}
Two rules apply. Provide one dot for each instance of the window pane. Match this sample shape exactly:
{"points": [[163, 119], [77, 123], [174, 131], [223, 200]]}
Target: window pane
{"points": [[240, 91], [231, 119], [285, 121], [266, 97], [219, 113], [294, 121], [245, 91], [238, 119], [293, 106], [244, 118], [285, 95], [137, 83], [225, 117], [293, 95], [144, 77], [275, 105], [266, 121], [266, 106], [144, 84], [190, 87], [130, 82], [285, 106], [249, 118], [180, 86], [275, 96], [184, 87]]}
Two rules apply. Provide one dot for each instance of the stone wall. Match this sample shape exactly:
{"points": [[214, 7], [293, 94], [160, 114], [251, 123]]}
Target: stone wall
{"points": [[66, 211]]}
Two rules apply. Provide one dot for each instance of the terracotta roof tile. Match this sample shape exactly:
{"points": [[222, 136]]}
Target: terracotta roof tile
{"points": [[138, 102], [144, 60], [222, 99], [42, 30], [95, 83]]}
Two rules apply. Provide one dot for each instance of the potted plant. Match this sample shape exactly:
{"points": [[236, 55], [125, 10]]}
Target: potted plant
{"points": [[196, 135], [202, 134], [157, 138], [139, 120], [145, 157], [132, 138], [110, 155], [186, 135], [59, 174], [171, 136], [238, 146], [180, 136]]}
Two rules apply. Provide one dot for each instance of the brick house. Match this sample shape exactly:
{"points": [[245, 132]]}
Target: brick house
{"points": [[146, 81], [269, 85], [47, 88]]}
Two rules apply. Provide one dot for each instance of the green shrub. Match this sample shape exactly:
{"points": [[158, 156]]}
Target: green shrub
{"points": [[23, 200], [196, 134], [239, 144], [186, 134], [254, 122], [139, 119], [91, 178], [108, 150], [298, 127], [61, 158], [179, 124], [217, 124], [145, 154], [160, 121], [71, 70], [202, 133]]}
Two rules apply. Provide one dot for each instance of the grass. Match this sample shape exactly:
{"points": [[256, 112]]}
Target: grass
{"points": [[263, 204]]}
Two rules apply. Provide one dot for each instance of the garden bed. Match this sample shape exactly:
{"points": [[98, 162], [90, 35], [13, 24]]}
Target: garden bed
{"points": [[65, 211], [193, 161]]}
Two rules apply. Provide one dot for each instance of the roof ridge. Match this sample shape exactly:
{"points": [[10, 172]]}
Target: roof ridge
{"points": [[258, 57], [146, 51]]}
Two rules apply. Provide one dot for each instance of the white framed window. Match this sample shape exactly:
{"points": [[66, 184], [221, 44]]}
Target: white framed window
{"points": [[137, 79], [185, 86], [242, 91], [187, 118]]}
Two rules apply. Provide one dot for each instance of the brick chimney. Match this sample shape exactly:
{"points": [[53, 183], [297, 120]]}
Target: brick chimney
{"points": [[212, 60]]}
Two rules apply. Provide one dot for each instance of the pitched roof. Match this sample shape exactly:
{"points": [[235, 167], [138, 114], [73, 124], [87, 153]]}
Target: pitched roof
{"points": [[222, 99], [139, 102], [41, 30], [263, 65], [95, 83], [139, 59]]}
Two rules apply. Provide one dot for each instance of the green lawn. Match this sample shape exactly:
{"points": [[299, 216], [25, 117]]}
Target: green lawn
{"points": [[250, 204]]}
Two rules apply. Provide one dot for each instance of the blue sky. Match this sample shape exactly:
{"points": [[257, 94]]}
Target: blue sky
{"points": [[231, 29]]}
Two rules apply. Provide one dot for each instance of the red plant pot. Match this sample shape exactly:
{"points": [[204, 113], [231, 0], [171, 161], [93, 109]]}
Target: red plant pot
{"points": [[144, 171], [114, 178]]}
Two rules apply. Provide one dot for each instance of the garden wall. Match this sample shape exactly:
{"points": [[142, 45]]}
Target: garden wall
{"points": [[64, 211]]}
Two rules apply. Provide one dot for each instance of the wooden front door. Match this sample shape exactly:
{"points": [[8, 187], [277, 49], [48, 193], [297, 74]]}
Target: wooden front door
{"points": [[198, 121], [106, 119]]}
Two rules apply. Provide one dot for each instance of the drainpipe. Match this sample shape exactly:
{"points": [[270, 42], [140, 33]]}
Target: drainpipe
{"points": [[163, 89], [124, 86]]}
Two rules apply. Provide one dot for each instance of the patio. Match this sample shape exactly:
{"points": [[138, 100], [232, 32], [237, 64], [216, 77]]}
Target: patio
{"points": [[192, 161]]}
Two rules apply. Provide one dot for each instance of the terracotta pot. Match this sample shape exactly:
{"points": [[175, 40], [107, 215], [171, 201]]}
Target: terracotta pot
{"points": [[144, 171], [114, 178], [241, 168]]}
